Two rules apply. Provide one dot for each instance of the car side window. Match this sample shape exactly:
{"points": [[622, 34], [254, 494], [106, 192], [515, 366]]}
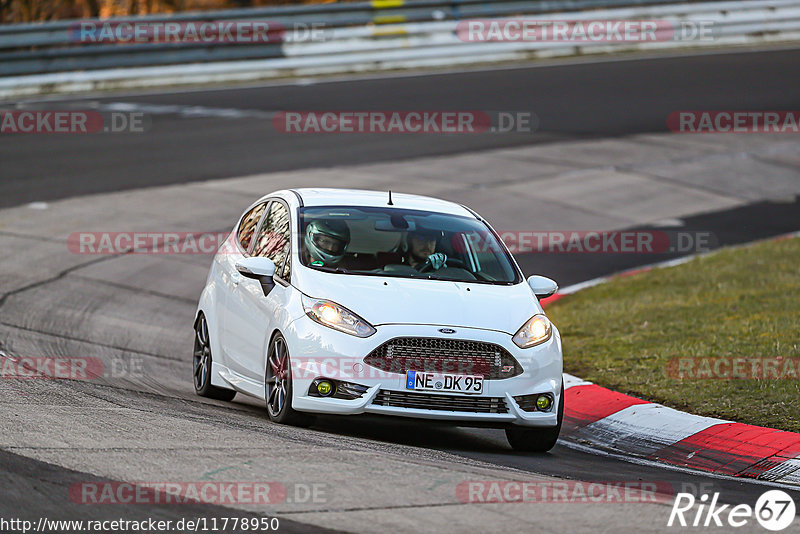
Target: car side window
{"points": [[273, 240], [249, 224]]}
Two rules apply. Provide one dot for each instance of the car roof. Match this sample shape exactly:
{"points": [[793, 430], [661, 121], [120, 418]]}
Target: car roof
{"points": [[362, 197]]}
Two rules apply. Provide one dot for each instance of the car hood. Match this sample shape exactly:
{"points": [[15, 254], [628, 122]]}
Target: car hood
{"points": [[387, 300]]}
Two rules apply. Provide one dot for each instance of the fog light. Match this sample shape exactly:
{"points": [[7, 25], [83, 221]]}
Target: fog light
{"points": [[543, 403], [325, 388]]}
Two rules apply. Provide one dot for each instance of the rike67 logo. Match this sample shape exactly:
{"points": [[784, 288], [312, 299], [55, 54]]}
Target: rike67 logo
{"points": [[774, 510]]}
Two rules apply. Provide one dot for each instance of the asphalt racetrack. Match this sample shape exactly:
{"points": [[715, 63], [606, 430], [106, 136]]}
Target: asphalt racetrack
{"points": [[379, 471], [191, 137]]}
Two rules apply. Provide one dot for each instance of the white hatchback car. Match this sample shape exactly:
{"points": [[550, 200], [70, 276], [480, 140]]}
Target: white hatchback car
{"points": [[347, 302]]}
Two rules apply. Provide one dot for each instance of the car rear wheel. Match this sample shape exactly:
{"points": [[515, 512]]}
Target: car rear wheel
{"points": [[202, 365], [278, 385], [536, 439]]}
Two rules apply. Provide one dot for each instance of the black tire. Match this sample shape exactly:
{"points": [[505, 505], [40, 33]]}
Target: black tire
{"points": [[528, 439], [278, 386], [201, 368]]}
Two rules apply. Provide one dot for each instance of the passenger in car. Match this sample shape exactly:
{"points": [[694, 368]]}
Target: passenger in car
{"points": [[421, 249], [417, 250]]}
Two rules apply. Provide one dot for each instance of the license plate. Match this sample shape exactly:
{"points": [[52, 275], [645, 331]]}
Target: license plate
{"points": [[421, 381]]}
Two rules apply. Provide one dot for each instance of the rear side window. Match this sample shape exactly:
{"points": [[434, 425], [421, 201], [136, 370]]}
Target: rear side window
{"points": [[248, 225], [274, 239]]}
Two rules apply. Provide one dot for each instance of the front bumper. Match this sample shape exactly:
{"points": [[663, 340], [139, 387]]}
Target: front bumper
{"points": [[317, 351]]}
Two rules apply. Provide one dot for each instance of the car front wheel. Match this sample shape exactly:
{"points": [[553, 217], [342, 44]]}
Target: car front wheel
{"points": [[278, 385], [536, 439]]}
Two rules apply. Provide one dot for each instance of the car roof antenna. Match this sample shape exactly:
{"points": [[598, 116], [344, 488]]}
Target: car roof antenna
{"points": [[390, 198]]}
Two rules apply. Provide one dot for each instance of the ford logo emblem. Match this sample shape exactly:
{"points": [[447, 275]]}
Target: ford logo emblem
{"points": [[447, 331]]}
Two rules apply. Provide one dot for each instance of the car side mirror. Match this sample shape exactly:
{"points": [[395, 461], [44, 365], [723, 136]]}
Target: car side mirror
{"points": [[258, 268], [542, 286]]}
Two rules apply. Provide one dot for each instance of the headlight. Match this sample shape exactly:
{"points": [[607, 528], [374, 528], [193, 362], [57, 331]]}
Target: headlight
{"points": [[337, 317], [537, 330]]}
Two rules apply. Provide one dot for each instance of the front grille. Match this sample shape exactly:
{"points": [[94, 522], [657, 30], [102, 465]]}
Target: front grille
{"points": [[435, 355], [445, 403]]}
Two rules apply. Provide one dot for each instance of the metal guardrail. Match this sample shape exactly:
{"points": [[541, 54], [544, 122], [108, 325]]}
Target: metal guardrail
{"points": [[393, 38], [53, 47]]}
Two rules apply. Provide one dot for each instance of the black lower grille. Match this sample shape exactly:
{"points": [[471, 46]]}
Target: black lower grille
{"points": [[527, 403], [445, 403], [436, 355]]}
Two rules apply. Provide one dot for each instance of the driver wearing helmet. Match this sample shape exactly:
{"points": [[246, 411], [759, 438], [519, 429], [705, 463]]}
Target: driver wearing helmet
{"points": [[325, 242], [421, 250]]}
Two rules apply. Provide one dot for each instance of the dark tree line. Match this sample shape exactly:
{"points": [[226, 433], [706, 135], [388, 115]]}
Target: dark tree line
{"points": [[15, 11]]}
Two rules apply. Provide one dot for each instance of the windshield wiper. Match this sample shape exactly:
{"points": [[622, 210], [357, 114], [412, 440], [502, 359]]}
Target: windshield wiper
{"points": [[330, 269]]}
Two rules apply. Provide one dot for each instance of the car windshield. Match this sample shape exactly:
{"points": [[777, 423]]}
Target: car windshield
{"points": [[386, 241]]}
